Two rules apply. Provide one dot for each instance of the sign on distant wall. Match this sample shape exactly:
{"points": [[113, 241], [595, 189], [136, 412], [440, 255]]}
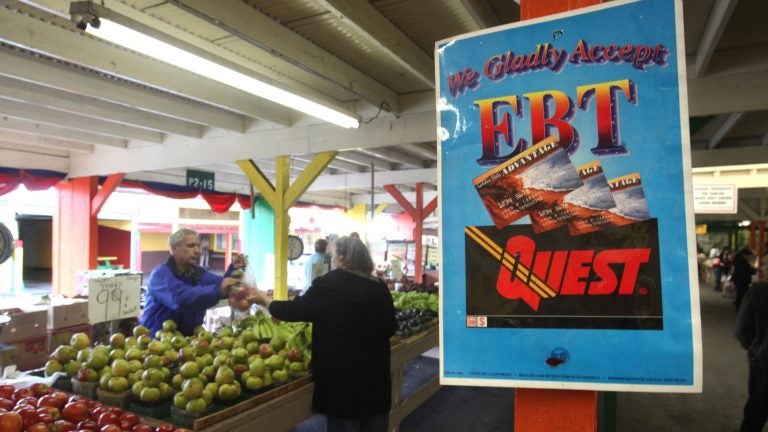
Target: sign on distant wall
{"points": [[712, 198], [565, 209]]}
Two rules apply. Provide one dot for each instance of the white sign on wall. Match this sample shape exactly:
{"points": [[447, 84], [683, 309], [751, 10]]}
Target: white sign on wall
{"points": [[715, 198], [113, 297]]}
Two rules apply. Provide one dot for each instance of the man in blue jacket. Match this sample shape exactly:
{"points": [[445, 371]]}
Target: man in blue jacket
{"points": [[181, 290]]}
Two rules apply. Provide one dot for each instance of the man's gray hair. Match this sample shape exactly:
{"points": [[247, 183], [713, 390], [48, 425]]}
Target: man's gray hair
{"points": [[176, 238]]}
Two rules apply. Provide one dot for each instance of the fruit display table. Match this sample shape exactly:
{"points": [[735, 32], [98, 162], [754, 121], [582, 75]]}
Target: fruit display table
{"points": [[289, 405]]}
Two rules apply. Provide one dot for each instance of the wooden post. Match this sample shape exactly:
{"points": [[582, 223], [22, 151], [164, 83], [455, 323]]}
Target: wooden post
{"points": [[417, 214], [554, 410], [281, 197], [75, 229]]}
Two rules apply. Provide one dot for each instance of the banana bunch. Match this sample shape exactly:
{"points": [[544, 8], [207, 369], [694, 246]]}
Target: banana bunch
{"points": [[263, 327], [283, 329], [301, 338]]}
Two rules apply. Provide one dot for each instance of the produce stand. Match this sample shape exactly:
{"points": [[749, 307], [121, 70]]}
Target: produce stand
{"points": [[281, 409]]}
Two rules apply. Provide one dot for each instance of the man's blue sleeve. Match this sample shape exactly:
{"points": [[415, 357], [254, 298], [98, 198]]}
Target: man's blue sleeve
{"points": [[178, 295]]}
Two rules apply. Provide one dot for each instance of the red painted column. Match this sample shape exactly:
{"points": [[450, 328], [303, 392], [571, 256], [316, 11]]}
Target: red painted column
{"points": [[417, 214], [74, 232], [75, 228], [554, 410]]}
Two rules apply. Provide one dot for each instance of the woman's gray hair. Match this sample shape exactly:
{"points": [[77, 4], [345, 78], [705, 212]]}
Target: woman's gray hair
{"points": [[177, 238], [353, 255]]}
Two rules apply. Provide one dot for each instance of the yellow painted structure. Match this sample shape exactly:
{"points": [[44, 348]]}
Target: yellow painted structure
{"points": [[281, 197]]}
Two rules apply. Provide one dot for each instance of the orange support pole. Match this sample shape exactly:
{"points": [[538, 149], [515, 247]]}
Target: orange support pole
{"points": [[74, 232], [417, 214], [574, 411], [75, 229]]}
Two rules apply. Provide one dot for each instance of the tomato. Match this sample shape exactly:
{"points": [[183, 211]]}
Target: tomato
{"points": [[78, 398], [108, 418], [6, 391], [141, 427], [131, 418], [95, 413], [40, 389], [11, 422], [21, 394], [38, 427], [51, 411], [61, 397], [45, 418], [62, 426], [75, 411], [28, 414], [165, 427], [6, 404], [117, 410], [29, 400], [110, 428], [88, 425]]}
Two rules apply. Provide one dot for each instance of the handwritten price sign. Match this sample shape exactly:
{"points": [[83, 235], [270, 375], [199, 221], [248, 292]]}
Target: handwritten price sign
{"points": [[112, 298]]}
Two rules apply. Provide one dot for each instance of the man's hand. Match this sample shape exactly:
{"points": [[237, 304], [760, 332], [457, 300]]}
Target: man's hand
{"points": [[226, 286], [240, 262]]}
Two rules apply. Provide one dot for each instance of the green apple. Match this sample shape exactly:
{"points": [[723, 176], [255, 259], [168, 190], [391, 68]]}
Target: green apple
{"points": [[196, 406], [180, 401], [117, 340], [225, 375], [149, 394], [121, 368], [169, 326], [189, 369], [117, 384], [80, 341], [192, 388], [52, 366]]}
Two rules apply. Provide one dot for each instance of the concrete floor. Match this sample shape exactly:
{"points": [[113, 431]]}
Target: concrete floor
{"points": [[716, 409]]}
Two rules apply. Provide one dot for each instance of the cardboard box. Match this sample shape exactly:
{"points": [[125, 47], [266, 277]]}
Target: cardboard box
{"points": [[29, 353], [26, 323], [67, 313], [8, 355], [59, 337]]}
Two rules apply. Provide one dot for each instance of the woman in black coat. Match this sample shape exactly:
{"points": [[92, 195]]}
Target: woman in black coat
{"points": [[742, 273], [353, 317]]}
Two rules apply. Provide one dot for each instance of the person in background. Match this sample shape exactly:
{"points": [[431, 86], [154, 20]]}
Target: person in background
{"points": [[181, 290], [764, 264], [743, 269], [722, 266], [752, 332], [321, 259], [353, 317]]}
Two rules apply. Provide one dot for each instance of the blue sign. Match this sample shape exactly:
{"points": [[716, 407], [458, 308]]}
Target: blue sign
{"points": [[565, 204]]}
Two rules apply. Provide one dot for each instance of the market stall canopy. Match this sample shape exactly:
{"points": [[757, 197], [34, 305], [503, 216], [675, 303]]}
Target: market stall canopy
{"points": [[74, 103]]}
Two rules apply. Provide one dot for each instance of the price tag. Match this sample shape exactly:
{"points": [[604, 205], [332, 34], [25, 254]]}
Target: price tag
{"points": [[112, 298]]}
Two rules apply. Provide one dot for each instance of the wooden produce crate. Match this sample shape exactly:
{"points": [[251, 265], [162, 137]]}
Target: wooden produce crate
{"points": [[276, 410]]}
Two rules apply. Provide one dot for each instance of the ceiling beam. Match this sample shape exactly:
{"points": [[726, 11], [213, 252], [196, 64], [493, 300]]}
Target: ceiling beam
{"points": [[394, 157], [727, 124], [481, 13], [267, 144], [22, 30], [44, 129], [728, 93], [423, 150], [729, 157], [40, 114], [54, 75], [281, 47], [364, 161], [339, 165], [26, 159], [363, 180], [374, 27], [91, 107], [43, 141], [716, 23]]}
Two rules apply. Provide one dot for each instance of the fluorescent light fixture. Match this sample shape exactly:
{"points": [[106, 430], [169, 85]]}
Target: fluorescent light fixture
{"points": [[129, 38]]}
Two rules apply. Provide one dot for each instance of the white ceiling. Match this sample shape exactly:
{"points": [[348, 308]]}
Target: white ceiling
{"points": [[73, 103]]}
